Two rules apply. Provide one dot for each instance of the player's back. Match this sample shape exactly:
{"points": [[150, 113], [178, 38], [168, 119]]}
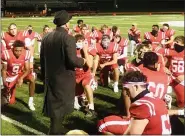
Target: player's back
{"points": [[157, 81], [155, 111]]}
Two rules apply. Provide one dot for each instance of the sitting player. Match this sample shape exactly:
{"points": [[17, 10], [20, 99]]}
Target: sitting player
{"points": [[107, 56], [122, 52], [14, 61], [146, 110], [149, 116], [84, 79], [158, 86]]}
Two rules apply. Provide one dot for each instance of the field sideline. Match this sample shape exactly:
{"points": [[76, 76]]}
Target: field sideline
{"points": [[105, 99]]}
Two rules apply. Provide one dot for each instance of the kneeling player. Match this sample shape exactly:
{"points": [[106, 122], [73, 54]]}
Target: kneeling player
{"points": [[14, 61], [107, 56], [84, 79]]}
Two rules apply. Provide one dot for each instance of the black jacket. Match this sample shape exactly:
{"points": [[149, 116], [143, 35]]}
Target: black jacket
{"points": [[58, 59]]}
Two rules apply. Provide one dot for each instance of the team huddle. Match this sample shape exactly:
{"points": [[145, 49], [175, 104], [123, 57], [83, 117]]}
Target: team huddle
{"points": [[147, 80]]}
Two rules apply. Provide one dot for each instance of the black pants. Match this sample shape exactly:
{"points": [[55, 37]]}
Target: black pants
{"points": [[56, 127]]}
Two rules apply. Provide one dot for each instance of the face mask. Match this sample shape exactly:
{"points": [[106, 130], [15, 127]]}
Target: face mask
{"points": [[154, 32], [29, 31], [178, 48], [79, 45], [105, 43]]}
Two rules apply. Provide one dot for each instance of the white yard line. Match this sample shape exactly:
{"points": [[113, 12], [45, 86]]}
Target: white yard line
{"points": [[16, 123]]}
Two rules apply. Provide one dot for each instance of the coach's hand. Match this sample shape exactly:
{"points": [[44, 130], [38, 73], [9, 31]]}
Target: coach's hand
{"points": [[19, 82]]}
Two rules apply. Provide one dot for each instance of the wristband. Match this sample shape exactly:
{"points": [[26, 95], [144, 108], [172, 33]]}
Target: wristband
{"points": [[180, 112]]}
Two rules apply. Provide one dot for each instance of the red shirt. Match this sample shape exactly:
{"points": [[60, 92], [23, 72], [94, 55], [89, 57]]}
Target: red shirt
{"points": [[106, 55], [76, 29], [155, 111], [177, 61], [155, 40], [32, 36], [122, 45], [9, 39], [136, 34], [15, 65], [85, 69], [158, 81]]}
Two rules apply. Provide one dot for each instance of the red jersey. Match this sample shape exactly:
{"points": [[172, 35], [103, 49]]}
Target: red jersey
{"points": [[32, 36], [154, 40], [3, 45], [153, 109], [112, 35], [15, 65], [85, 69], [122, 47], [95, 35], [9, 39], [177, 61], [157, 81], [76, 29], [136, 34], [168, 33], [106, 55]]}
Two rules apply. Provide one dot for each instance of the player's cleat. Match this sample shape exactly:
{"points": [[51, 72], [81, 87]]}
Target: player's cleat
{"points": [[168, 100], [31, 106], [76, 104], [115, 88]]}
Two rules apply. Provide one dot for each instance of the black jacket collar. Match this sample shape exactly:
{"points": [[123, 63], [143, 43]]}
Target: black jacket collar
{"points": [[61, 29]]}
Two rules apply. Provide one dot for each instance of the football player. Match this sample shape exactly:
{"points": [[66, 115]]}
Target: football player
{"points": [[114, 31], [156, 37], [169, 35], [84, 79], [122, 51], [77, 28], [177, 68], [107, 56], [134, 36], [15, 70], [149, 115]]}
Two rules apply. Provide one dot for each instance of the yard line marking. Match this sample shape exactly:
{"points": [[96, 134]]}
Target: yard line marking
{"points": [[16, 123]]}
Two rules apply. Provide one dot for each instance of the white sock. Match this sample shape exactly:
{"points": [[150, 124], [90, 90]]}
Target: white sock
{"points": [[91, 106], [116, 83], [31, 100], [180, 112]]}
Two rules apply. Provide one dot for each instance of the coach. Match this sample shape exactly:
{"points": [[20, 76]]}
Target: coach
{"points": [[58, 59]]}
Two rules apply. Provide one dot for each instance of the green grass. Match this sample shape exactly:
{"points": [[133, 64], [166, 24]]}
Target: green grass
{"points": [[106, 100]]}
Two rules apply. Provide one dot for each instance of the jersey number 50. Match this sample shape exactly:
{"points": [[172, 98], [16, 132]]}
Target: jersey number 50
{"points": [[15, 70], [177, 66]]}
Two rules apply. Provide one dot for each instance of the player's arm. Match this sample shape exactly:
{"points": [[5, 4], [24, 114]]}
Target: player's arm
{"points": [[179, 112], [3, 73], [26, 72], [127, 102], [170, 41], [88, 57], [113, 61], [136, 126], [124, 54], [95, 64]]}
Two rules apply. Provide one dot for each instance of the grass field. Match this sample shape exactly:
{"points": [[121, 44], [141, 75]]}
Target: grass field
{"points": [[106, 100]]}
